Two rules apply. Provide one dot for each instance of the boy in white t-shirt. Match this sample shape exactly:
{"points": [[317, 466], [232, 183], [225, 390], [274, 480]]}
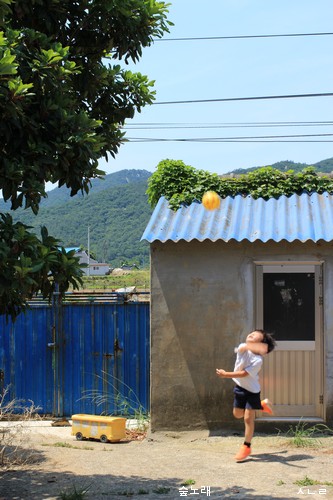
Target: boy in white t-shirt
{"points": [[247, 389]]}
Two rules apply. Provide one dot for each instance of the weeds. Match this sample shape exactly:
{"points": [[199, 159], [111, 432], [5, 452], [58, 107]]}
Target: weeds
{"points": [[307, 481], [188, 482], [74, 494], [127, 406], [14, 414], [303, 436], [161, 490]]}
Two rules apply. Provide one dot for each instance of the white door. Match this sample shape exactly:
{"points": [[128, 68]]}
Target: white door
{"points": [[289, 304]]}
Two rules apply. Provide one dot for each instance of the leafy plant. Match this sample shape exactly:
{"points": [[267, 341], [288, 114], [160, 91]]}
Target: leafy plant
{"points": [[182, 184], [29, 264]]}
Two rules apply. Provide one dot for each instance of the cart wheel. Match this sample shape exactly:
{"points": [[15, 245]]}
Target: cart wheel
{"points": [[79, 436], [103, 438]]}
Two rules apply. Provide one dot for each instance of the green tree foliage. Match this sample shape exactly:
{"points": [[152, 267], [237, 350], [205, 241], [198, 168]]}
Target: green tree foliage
{"points": [[179, 183], [324, 166], [183, 184], [27, 264], [63, 102]]}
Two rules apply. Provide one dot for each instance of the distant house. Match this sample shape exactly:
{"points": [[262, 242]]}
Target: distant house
{"points": [[94, 268]]}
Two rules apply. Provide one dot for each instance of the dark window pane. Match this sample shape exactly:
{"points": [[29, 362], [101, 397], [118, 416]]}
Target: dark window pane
{"points": [[289, 305]]}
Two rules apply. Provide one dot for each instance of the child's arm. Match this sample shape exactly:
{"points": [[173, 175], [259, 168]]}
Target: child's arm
{"points": [[255, 347], [223, 374]]}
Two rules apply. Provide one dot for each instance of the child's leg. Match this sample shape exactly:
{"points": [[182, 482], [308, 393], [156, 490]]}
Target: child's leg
{"points": [[249, 418], [245, 449], [238, 412]]}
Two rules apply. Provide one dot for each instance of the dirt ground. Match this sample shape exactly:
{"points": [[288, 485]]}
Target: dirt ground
{"points": [[167, 465]]}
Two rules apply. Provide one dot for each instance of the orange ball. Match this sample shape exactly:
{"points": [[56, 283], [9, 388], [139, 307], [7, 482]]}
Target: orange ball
{"points": [[211, 200]]}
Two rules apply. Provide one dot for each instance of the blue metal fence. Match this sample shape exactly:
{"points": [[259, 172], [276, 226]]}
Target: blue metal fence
{"points": [[81, 356]]}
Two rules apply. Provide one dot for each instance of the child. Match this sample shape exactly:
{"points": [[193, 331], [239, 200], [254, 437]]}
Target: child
{"points": [[247, 390]]}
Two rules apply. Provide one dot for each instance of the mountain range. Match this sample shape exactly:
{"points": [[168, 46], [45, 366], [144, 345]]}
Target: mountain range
{"points": [[114, 214], [116, 211]]}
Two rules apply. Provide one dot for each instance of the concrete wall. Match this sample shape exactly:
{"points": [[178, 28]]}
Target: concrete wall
{"points": [[202, 306]]}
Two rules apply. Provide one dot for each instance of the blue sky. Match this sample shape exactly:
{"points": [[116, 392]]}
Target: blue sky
{"points": [[250, 67]]}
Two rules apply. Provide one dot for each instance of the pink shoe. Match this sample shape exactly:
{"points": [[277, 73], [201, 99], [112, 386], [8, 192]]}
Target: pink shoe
{"points": [[243, 453], [267, 406]]}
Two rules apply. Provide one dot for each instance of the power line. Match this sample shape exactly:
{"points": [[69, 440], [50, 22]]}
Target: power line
{"points": [[233, 123], [232, 141], [230, 99], [268, 138], [233, 37], [198, 126]]}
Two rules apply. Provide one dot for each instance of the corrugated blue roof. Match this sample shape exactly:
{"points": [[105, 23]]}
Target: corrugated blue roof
{"points": [[298, 217]]}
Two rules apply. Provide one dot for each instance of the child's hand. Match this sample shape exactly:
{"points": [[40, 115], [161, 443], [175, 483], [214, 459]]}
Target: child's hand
{"points": [[242, 348], [220, 373]]}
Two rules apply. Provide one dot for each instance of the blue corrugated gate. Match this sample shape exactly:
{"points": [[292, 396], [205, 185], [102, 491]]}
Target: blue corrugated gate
{"points": [[85, 356]]}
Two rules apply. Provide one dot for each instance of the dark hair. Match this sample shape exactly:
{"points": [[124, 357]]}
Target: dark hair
{"points": [[268, 339]]}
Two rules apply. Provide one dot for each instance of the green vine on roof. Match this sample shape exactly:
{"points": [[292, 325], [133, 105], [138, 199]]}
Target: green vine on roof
{"points": [[182, 184]]}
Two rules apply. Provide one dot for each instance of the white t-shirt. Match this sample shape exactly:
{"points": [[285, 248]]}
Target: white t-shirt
{"points": [[251, 363]]}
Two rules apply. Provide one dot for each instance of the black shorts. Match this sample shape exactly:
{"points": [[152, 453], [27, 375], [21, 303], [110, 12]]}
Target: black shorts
{"points": [[246, 400]]}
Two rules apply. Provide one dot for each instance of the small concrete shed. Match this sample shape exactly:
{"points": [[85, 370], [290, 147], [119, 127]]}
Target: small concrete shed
{"points": [[217, 275]]}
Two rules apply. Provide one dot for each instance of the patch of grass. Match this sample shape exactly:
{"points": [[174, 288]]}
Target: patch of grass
{"points": [[280, 483], [161, 490], [61, 444], [74, 494], [139, 278], [307, 481], [188, 482], [304, 436]]}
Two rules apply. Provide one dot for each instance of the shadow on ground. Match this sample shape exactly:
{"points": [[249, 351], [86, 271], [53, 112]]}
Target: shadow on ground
{"points": [[33, 484], [278, 457]]}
